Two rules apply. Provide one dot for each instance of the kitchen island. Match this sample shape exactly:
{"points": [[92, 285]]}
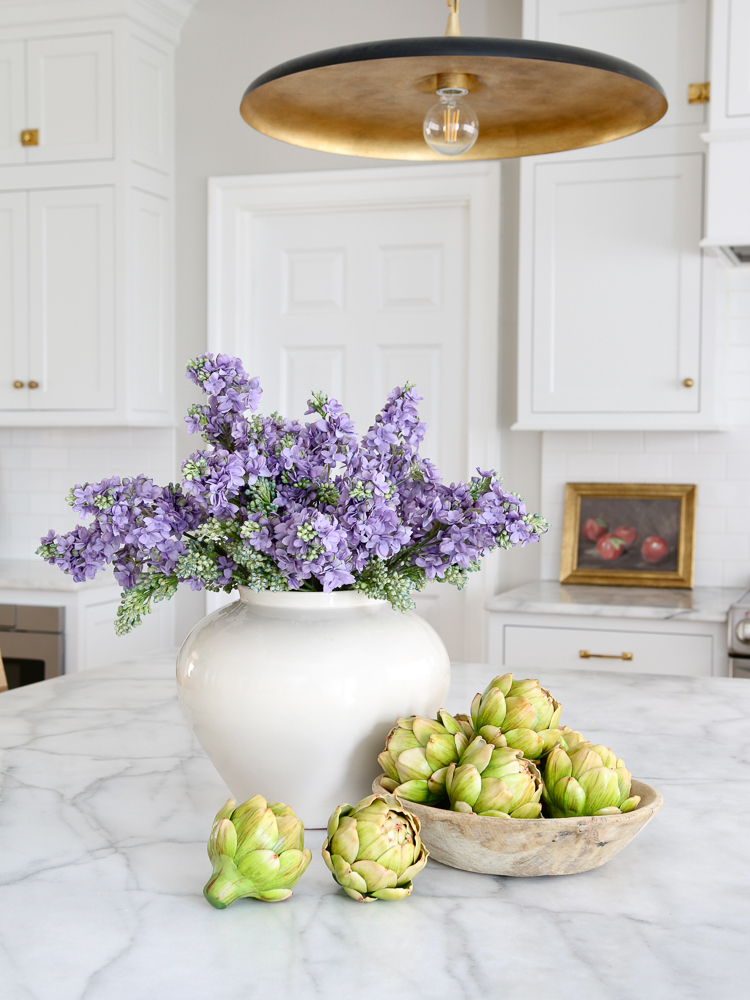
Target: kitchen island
{"points": [[106, 802]]}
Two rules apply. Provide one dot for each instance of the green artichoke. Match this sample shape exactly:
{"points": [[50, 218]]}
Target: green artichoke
{"points": [[374, 849], [256, 849], [417, 754], [585, 780], [518, 714], [494, 781]]}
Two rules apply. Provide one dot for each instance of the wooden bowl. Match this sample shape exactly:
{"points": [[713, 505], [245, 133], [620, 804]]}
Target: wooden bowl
{"points": [[498, 846]]}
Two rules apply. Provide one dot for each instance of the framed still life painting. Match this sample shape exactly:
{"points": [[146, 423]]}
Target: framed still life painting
{"points": [[628, 534]]}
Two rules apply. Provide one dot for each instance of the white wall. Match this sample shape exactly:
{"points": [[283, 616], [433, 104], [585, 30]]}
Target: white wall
{"points": [[719, 463]]}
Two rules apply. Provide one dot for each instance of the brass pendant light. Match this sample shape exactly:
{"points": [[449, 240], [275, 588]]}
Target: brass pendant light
{"points": [[524, 97]]}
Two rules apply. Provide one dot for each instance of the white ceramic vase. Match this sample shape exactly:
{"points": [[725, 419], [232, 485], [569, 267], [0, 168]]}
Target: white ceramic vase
{"points": [[292, 694]]}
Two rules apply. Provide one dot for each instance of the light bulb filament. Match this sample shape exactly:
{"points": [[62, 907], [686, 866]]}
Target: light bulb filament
{"points": [[450, 124]]}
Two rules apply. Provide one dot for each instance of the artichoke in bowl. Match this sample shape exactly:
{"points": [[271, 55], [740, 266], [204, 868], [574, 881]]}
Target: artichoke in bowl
{"points": [[373, 849], [257, 850], [585, 780], [494, 781], [518, 714]]}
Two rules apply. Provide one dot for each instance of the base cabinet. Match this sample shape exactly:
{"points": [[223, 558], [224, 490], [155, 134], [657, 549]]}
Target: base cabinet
{"points": [[537, 644]]}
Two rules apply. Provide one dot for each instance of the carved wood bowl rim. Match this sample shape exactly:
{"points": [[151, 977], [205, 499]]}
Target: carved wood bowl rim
{"points": [[520, 847]]}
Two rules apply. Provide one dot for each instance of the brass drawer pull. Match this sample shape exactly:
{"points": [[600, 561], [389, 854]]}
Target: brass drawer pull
{"points": [[33, 385], [17, 384], [586, 655], [30, 137]]}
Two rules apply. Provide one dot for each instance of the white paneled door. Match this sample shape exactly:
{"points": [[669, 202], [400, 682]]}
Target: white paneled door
{"points": [[12, 101], [13, 301], [355, 282]]}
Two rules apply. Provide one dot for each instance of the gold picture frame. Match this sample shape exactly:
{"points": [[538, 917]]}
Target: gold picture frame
{"points": [[596, 551]]}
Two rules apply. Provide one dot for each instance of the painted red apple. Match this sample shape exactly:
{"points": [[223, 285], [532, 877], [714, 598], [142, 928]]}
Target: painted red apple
{"points": [[626, 533], [610, 547], [594, 528], [654, 549]]}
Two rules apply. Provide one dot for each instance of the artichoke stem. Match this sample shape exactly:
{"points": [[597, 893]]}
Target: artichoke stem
{"points": [[226, 884]]}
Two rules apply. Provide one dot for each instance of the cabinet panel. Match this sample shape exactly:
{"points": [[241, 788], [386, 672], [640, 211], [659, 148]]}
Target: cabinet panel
{"points": [[150, 319], [617, 285], [72, 299], [13, 301], [12, 102], [738, 72], [536, 648], [70, 98], [667, 38], [150, 108]]}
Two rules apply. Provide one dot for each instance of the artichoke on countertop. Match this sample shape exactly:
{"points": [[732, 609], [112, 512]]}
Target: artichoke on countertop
{"points": [[257, 850], [373, 849], [585, 780]]}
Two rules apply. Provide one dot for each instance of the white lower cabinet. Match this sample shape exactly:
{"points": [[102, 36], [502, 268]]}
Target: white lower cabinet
{"points": [[528, 648]]}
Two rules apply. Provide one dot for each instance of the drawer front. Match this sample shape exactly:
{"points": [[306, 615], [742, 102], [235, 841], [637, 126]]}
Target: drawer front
{"points": [[541, 648]]}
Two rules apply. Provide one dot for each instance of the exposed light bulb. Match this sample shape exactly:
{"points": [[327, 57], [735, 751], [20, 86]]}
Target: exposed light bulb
{"points": [[451, 126]]}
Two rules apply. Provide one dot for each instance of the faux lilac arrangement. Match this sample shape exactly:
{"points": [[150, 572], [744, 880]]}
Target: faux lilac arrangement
{"points": [[275, 504]]}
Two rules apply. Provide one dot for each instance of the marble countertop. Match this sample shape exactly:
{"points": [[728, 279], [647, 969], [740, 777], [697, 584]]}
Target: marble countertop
{"points": [[106, 802], [36, 574], [702, 604]]}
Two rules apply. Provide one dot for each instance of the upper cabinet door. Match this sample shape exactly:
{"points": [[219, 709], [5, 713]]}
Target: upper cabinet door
{"points": [[12, 102], [617, 287], [151, 110], [70, 98], [13, 302], [667, 38], [71, 255]]}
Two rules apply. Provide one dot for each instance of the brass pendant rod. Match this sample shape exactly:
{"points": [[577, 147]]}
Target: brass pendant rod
{"points": [[453, 26]]}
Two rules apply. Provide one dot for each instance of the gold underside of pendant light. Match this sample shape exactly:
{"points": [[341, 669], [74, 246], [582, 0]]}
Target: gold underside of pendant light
{"points": [[525, 107]]}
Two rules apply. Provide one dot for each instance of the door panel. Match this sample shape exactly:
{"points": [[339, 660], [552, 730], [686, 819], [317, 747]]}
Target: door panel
{"points": [[617, 285], [72, 299], [13, 301], [352, 303], [667, 38], [12, 102], [70, 98]]}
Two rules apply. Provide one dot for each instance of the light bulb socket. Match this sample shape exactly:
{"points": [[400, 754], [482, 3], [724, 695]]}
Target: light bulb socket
{"points": [[455, 81], [451, 92]]}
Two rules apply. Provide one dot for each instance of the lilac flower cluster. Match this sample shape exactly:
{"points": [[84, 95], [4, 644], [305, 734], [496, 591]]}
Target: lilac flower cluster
{"points": [[276, 504]]}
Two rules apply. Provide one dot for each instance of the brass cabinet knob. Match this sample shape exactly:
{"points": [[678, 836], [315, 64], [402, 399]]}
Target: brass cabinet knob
{"points": [[688, 383], [33, 385], [30, 137], [18, 385]]}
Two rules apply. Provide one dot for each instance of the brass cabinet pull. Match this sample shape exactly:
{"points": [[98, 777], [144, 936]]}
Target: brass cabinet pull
{"points": [[18, 385], [33, 385], [688, 383], [586, 655], [30, 137], [699, 93]]}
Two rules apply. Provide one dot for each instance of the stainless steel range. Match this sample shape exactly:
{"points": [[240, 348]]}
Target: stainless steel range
{"points": [[739, 637]]}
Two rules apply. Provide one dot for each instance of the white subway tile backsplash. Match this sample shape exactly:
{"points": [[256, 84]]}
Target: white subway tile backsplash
{"points": [[736, 574], [38, 466], [645, 468], [738, 412], [690, 468], [724, 547], [592, 467], [617, 441], [666, 442], [709, 573]]}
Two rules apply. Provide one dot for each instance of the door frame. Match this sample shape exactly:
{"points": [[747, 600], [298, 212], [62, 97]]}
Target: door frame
{"points": [[234, 203]]}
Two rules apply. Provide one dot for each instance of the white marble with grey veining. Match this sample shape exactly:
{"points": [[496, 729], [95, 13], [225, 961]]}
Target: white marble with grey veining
{"points": [[702, 604], [106, 802]]}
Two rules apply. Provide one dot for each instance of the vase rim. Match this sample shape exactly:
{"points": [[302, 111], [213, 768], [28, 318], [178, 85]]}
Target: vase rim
{"points": [[299, 599]]}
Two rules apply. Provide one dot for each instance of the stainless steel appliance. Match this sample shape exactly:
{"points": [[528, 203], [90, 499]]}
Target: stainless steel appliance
{"points": [[739, 637], [31, 643]]}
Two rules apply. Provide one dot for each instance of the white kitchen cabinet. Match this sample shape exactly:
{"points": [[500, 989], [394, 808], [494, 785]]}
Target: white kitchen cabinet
{"points": [[69, 97], [12, 101], [13, 299], [71, 329], [614, 239], [86, 221], [613, 290], [728, 136]]}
